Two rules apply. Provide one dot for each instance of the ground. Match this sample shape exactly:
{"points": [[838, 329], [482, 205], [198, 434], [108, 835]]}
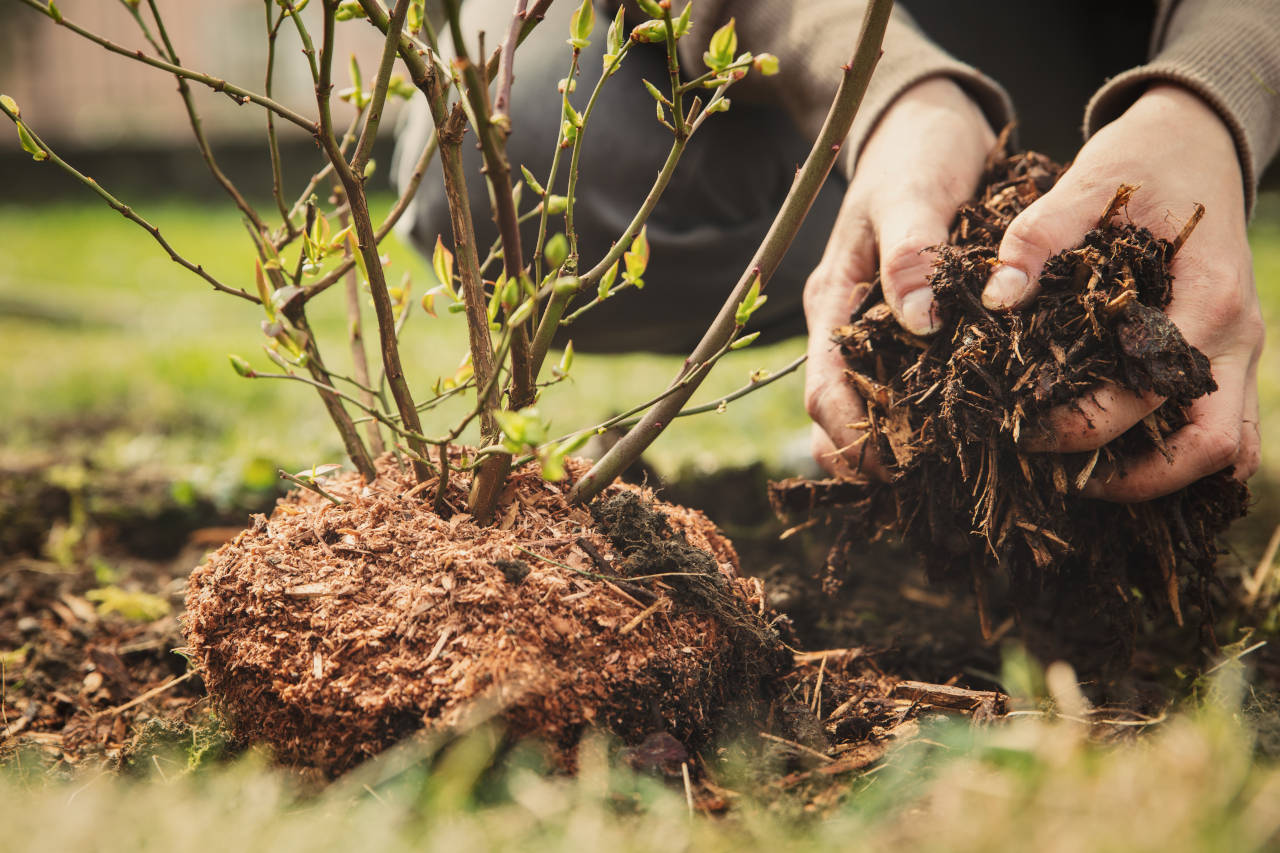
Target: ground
{"points": [[130, 448]]}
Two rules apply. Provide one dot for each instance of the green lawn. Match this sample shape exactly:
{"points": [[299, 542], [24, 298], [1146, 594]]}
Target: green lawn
{"points": [[95, 321]]}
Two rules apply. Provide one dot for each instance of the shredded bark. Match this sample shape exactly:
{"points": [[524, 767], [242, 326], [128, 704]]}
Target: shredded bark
{"points": [[948, 414], [331, 631]]}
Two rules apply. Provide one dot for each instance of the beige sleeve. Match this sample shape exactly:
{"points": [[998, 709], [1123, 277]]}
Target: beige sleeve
{"points": [[813, 39], [1228, 53]]}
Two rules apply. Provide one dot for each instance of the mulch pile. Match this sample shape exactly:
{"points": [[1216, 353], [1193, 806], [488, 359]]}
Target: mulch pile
{"points": [[330, 631], [946, 413]]}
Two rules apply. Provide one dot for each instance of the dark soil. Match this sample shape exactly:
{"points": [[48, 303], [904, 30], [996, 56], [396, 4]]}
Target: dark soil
{"points": [[947, 415]]}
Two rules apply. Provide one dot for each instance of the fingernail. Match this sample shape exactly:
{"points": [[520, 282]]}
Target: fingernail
{"points": [[917, 312], [1004, 288]]}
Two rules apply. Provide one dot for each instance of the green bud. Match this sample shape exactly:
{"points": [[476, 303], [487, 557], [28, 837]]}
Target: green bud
{"points": [[532, 181], [557, 249], [654, 92], [744, 341], [54, 13], [649, 32], [400, 88], [415, 16], [566, 360], [10, 105], [370, 167], [29, 144], [442, 266], [567, 285], [241, 366], [522, 314], [719, 105], [750, 303], [766, 64], [617, 31], [348, 10], [650, 8], [510, 291], [552, 465], [557, 204]]}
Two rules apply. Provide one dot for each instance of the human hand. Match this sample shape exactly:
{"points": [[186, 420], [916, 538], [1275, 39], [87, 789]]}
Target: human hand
{"points": [[924, 158], [1179, 151]]}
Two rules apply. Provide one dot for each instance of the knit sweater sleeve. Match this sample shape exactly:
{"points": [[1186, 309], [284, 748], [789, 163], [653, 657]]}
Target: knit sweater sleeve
{"points": [[813, 39], [1228, 53]]}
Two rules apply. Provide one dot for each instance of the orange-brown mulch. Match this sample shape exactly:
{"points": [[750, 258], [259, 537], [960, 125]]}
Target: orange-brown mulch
{"points": [[331, 631]]}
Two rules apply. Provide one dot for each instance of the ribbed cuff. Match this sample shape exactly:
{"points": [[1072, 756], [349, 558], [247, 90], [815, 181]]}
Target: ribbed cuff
{"points": [[1228, 53]]}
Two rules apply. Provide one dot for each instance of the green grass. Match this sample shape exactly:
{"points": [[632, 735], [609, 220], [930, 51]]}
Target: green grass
{"points": [[1036, 783], [130, 338]]}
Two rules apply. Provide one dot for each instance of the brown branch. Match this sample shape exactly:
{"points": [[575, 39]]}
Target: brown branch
{"points": [[359, 358], [374, 117], [492, 138], [809, 180], [367, 246], [506, 58]]}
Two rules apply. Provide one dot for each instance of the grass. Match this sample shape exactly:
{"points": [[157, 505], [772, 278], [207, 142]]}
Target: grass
{"points": [[1036, 783], [96, 323]]}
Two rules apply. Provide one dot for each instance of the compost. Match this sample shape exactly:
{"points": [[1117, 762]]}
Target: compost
{"points": [[948, 415]]}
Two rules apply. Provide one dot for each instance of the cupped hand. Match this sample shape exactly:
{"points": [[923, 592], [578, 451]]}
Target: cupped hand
{"points": [[922, 161], [1178, 151]]}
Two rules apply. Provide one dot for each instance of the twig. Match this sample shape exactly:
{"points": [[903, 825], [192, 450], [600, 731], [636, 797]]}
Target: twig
{"points": [[150, 694], [799, 747], [128, 213], [232, 91], [803, 191], [310, 485]]}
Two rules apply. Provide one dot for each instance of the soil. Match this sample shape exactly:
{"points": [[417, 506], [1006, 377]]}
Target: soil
{"points": [[948, 416]]}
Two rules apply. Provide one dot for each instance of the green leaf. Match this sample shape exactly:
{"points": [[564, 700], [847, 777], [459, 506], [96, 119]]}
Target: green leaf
{"points": [[135, 606], [557, 204], [683, 23], [750, 303], [400, 87], [723, 46], [571, 115], [581, 24], [416, 15], [557, 249], [636, 259], [606, 281], [617, 35], [442, 266], [552, 465], [532, 181], [650, 8], [264, 292]]}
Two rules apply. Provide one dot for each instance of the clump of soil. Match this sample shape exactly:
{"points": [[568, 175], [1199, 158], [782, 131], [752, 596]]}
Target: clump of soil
{"points": [[946, 415], [331, 631]]}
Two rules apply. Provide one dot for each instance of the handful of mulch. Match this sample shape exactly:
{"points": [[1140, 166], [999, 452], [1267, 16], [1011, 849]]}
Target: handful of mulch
{"points": [[945, 414]]}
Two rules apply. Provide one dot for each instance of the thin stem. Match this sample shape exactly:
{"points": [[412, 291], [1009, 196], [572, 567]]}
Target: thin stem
{"points": [[804, 190], [359, 358], [556, 307], [673, 69], [273, 143], [197, 126], [128, 213], [367, 246], [309, 485], [506, 59], [232, 91], [374, 116], [549, 186]]}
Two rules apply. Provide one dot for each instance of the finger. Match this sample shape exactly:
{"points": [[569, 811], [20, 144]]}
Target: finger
{"points": [[1090, 421], [836, 412], [905, 233], [1056, 221], [1212, 441]]}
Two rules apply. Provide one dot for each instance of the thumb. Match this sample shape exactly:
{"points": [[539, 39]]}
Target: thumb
{"points": [[1056, 221]]}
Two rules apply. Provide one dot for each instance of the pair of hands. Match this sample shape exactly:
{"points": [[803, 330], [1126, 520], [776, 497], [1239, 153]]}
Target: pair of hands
{"points": [[926, 157]]}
